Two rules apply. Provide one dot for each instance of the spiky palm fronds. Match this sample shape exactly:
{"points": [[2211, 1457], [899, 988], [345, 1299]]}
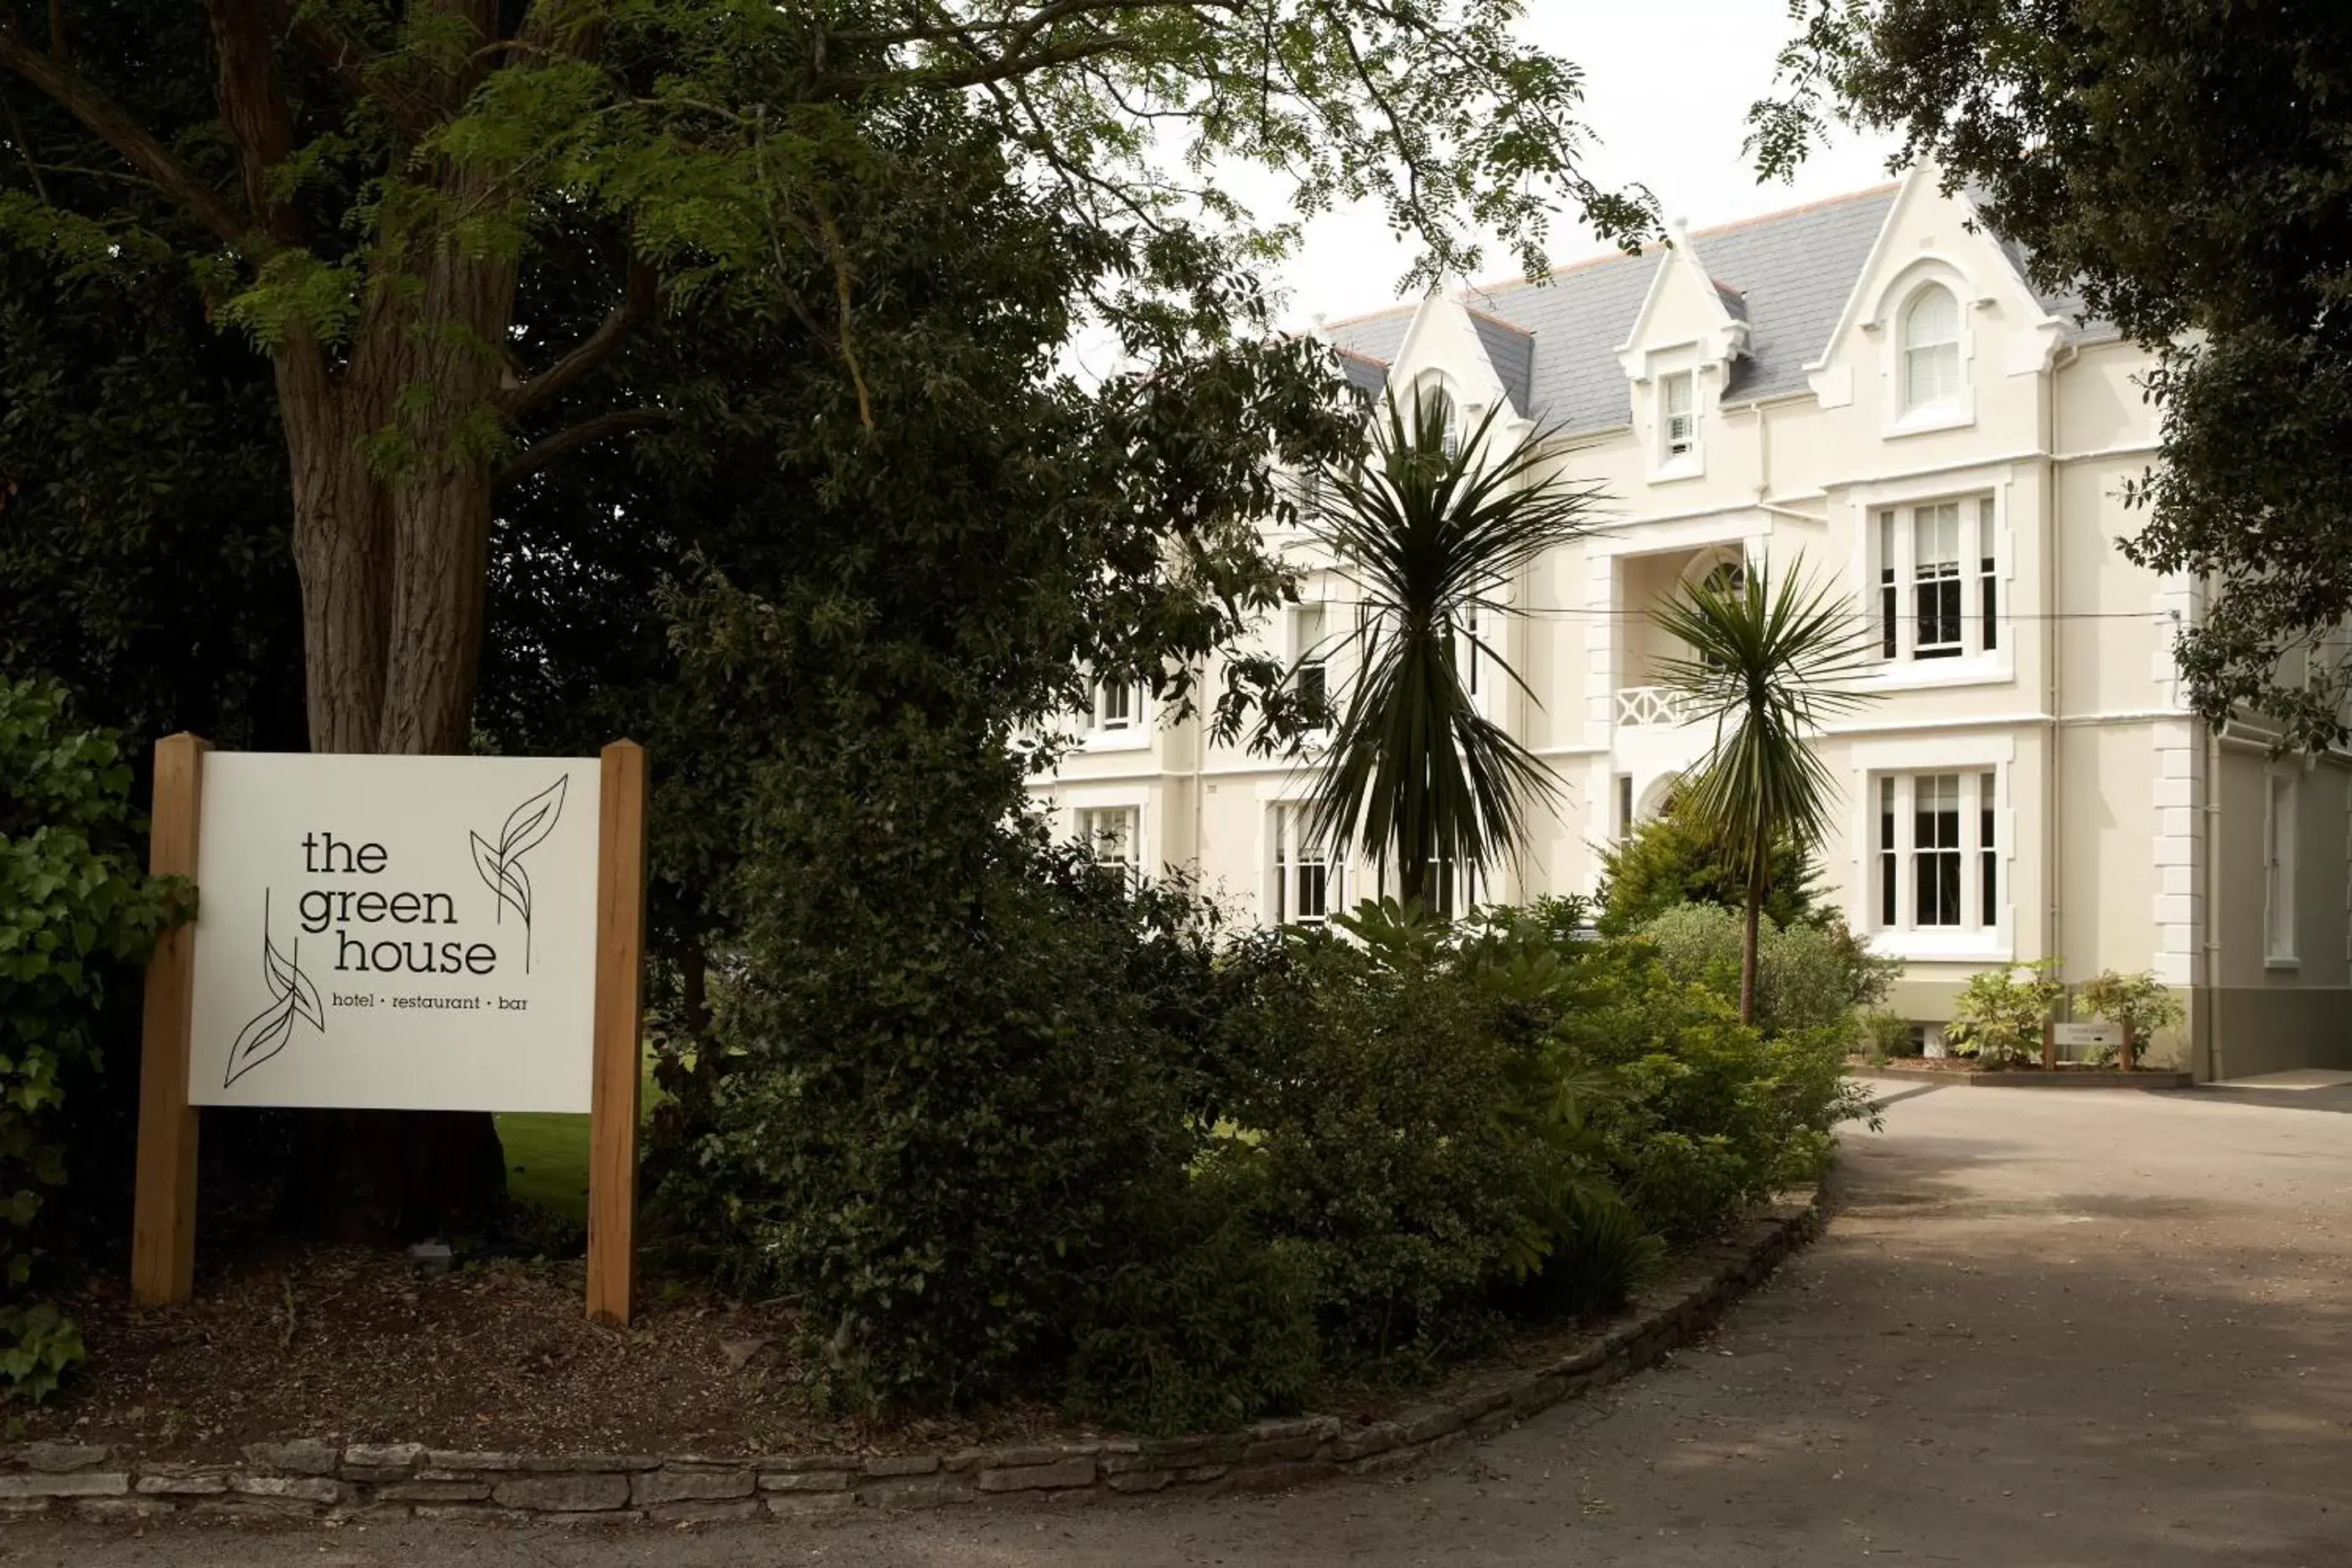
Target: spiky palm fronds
{"points": [[1767, 668], [1431, 531]]}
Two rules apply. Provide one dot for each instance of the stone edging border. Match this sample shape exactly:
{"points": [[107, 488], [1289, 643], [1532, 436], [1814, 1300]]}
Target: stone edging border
{"points": [[309, 1478], [2071, 1078]]}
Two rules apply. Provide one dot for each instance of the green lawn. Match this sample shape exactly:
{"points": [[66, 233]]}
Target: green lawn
{"points": [[547, 1156]]}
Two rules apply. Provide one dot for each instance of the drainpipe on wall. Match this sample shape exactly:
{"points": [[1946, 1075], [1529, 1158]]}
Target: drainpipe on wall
{"points": [[2212, 847], [2053, 631]]}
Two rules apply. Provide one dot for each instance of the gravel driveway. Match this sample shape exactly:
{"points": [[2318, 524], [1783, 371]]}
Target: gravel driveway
{"points": [[2045, 1327]]}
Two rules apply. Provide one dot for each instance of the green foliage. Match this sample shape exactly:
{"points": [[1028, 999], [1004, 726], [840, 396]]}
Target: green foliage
{"points": [[1807, 976], [1768, 665], [1671, 860], [1885, 1035], [144, 559], [1388, 1104], [2140, 1002], [76, 913], [1999, 1017], [1708, 1115], [2180, 164], [1431, 529], [2143, 1004], [1206, 1327]]}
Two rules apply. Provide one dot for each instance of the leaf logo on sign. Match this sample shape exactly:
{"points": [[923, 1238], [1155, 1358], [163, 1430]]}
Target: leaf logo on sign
{"points": [[291, 997], [500, 865]]}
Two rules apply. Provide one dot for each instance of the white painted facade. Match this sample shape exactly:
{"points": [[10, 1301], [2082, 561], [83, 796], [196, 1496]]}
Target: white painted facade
{"points": [[1927, 431]]}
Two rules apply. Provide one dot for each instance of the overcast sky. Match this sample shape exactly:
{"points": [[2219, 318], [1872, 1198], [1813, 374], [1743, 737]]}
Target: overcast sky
{"points": [[1667, 89]]}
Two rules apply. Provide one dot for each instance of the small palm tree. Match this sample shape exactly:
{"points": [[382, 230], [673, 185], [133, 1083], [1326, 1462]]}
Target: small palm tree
{"points": [[1431, 529], [1767, 666]]}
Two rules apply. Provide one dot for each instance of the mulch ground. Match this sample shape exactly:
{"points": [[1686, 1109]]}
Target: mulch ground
{"points": [[350, 1345]]}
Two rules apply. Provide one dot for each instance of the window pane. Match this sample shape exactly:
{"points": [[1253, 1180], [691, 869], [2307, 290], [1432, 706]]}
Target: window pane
{"points": [[1936, 844], [1989, 607], [1887, 604], [1680, 425], [1931, 347], [1988, 861], [1936, 578], [1886, 852]]}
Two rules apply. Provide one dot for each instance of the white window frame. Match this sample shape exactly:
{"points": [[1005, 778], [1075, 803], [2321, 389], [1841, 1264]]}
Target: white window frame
{"points": [[1912, 352], [1109, 728], [1092, 826], [1310, 645], [1982, 936], [1890, 323], [1891, 573], [1290, 852], [1677, 427], [1078, 803], [2282, 794], [1671, 368]]}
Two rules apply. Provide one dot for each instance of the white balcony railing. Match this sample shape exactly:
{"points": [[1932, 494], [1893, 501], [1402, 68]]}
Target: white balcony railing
{"points": [[1651, 708]]}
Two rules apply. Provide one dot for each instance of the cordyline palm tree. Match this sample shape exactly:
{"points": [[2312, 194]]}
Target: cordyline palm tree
{"points": [[1766, 667], [1430, 530]]}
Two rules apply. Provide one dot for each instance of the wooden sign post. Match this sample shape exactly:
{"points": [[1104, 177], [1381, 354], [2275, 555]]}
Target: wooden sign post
{"points": [[620, 1019], [163, 1207], [395, 933]]}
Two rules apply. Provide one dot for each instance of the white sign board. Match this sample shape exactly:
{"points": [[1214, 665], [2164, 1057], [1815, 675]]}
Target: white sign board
{"points": [[395, 933], [2087, 1034]]}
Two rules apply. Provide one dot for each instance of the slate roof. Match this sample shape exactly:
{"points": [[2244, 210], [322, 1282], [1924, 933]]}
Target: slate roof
{"points": [[1787, 274], [1511, 349]]}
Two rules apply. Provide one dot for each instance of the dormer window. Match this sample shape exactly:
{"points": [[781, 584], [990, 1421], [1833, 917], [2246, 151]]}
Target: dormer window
{"points": [[1931, 349], [1678, 396], [1449, 418]]}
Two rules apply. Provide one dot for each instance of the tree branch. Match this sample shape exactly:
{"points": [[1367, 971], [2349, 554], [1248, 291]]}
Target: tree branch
{"points": [[104, 118], [252, 103], [573, 437], [639, 298], [351, 64]]}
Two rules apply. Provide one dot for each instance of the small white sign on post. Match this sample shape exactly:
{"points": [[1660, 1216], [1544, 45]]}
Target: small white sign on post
{"points": [[395, 933], [2087, 1034]]}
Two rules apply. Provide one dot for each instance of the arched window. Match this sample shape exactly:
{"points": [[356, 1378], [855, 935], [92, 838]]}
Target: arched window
{"points": [[1931, 347], [1726, 577]]}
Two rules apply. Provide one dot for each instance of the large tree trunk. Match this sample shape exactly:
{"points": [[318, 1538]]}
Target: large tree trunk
{"points": [[392, 526]]}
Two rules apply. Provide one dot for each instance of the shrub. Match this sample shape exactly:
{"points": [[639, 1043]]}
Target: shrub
{"points": [[1668, 861], [1385, 1096], [1886, 1034], [1807, 976], [956, 1078], [76, 915], [2141, 1003], [1999, 1017], [1708, 1115], [1207, 1325]]}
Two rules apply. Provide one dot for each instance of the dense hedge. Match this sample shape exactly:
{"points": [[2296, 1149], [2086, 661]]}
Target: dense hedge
{"points": [[76, 914]]}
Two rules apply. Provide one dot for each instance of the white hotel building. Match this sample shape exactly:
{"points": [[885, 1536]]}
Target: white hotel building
{"points": [[1870, 385]]}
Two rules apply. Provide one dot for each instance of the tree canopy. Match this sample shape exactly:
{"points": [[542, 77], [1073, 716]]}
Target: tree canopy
{"points": [[2184, 164]]}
